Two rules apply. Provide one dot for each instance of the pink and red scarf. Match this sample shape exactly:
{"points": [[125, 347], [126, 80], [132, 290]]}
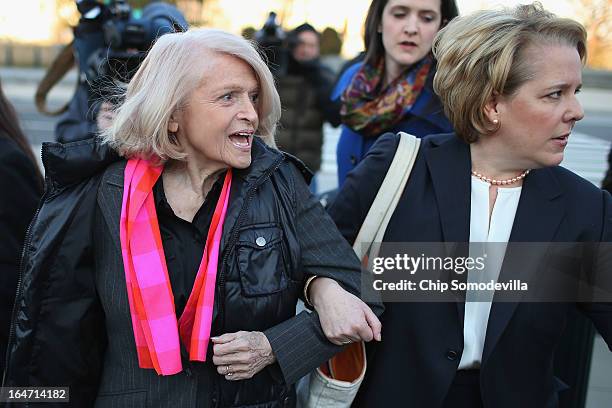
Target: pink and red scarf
{"points": [[156, 329]]}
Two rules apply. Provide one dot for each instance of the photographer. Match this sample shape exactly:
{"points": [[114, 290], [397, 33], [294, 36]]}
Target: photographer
{"points": [[304, 86], [110, 43]]}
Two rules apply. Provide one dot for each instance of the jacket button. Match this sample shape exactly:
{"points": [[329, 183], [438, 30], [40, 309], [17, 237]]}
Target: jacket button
{"points": [[260, 241], [353, 160], [452, 355]]}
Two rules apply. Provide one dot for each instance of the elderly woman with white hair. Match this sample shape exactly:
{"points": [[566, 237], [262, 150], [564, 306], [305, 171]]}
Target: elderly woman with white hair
{"points": [[168, 275]]}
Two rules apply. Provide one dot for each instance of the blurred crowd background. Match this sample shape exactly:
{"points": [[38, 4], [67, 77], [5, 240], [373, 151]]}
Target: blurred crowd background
{"points": [[33, 31]]}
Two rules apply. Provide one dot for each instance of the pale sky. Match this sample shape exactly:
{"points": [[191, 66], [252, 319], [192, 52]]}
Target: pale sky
{"points": [[561, 7], [33, 20], [337, 13]]}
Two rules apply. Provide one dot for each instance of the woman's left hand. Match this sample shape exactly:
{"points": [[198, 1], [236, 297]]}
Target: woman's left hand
{"points": [[241, 355]]}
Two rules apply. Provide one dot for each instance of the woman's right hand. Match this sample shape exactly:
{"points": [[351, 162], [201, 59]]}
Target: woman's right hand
{"points": [[344, 317]]}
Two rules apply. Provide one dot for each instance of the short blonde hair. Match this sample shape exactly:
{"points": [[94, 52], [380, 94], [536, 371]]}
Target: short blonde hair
{"points": [[484, 54], [173, 68]]}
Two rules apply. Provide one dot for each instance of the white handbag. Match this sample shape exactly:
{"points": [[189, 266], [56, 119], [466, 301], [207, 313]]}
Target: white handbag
{"points": [[335, 384]]}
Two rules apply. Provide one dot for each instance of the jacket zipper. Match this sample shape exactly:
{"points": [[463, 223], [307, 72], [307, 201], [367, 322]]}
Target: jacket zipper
{"points": [[235, 232], [26, 244]]}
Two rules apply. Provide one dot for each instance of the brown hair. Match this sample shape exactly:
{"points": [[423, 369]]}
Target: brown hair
{"points": [[484, 54], [9, 128], [374, 47]]}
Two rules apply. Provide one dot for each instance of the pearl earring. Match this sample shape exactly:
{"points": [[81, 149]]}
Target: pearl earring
{"points": [[495, 121]]}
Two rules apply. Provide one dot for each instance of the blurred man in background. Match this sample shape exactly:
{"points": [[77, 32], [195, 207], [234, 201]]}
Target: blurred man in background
{"points": [[304, 86]]}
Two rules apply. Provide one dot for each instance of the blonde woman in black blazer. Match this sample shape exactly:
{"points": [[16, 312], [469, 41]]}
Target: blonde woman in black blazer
{"points": [[508, 81]]}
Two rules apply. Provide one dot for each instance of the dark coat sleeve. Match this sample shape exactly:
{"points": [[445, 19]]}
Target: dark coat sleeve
{"points": [[607, 182], [58, 339], [21, 190], [299, 344], [357, 194], [78, 122], [600, 313]]}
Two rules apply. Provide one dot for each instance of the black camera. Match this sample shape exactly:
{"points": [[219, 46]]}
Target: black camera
{"points": [[112, 40], [272, 40]]}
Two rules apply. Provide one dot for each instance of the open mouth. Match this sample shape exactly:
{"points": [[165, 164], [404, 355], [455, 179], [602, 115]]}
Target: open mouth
{"points": [[408, 44], [242, 140]]}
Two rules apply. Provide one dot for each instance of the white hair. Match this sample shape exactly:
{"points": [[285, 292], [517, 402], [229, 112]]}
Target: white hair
{"points": [[171, 71]]}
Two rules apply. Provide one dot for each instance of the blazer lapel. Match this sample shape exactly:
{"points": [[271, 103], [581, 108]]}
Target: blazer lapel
{"points": [[538, 216], [110, 198], [450, 168], [540, 208], [449, 165]]}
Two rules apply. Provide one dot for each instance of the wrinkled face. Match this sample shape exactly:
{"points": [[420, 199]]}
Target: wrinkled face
{"points": [[307, 47], [535, 122], [408, 29], [217, 125]]}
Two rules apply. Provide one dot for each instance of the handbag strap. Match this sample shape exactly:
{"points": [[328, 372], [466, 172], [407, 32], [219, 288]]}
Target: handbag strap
{"points": [[375, 224]]}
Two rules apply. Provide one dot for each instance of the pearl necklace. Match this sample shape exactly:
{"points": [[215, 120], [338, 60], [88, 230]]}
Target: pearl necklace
{"points": [[494, 182]]}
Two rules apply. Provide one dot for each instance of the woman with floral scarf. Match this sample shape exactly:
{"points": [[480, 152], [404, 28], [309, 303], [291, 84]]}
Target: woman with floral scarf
{"points": [[390, 90]]}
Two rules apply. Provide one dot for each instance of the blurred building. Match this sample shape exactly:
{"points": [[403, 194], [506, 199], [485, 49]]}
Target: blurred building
{"points": [[43, 22], [47, 22], [344, 16]]}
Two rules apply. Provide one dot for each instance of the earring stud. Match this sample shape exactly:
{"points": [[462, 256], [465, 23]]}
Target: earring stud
{"points": [[495, 121]]}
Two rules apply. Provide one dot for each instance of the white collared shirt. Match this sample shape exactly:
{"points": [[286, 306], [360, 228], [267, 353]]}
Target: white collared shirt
{"points": [[482, 230]]}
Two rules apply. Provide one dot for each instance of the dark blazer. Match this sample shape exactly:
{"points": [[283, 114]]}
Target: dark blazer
{"points": [[422, 342]]}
